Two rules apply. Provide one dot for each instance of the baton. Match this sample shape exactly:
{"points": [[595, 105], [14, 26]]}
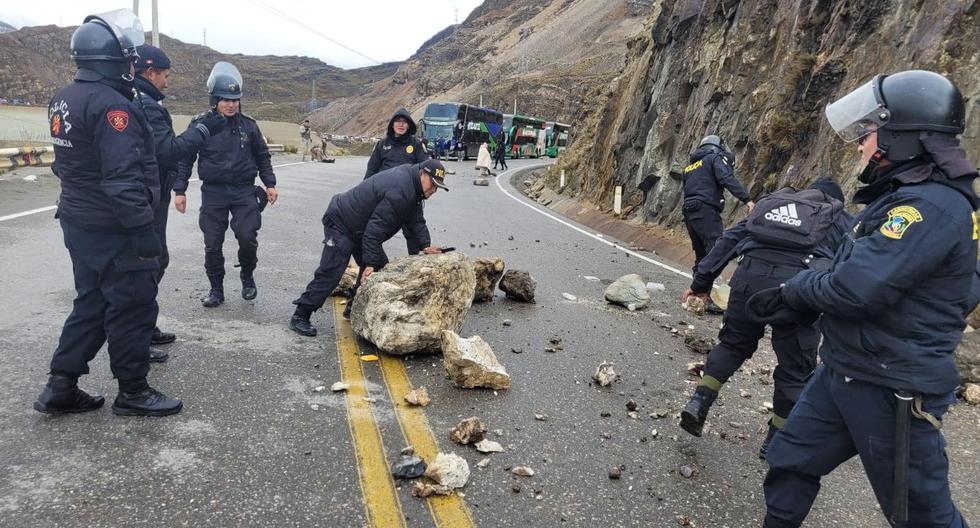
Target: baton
{"points": [[900, 487]]}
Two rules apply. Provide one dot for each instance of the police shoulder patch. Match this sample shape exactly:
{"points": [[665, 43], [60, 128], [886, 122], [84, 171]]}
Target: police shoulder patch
{"points": [[899, 220], [118, 119]]}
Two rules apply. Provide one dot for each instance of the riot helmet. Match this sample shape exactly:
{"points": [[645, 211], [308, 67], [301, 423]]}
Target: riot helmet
{"points": [[225, 82], [712, 140], [106, 44], [900, 107]]}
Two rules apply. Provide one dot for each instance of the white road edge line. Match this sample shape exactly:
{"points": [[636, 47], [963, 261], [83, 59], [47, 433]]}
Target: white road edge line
{"points": [[580, 230], [53, 207]]}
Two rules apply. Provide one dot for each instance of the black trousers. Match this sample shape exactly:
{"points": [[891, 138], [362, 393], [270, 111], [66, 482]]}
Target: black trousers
{"points": [[795, 346], [217, 203], [704, 227], [501, 158], [160, 216], [115, 301], [338, 248]]}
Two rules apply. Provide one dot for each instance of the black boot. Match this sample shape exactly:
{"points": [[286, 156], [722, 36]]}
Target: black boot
{"points": [[249, 291], [713, 308], [696, 411], [162, 338], [765, 443], [139, 399], [158, 356], [301, 325], [215, 298], [61, 395]]}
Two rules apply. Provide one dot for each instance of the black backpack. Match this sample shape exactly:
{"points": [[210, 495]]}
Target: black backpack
{"points": [[793, 219]]}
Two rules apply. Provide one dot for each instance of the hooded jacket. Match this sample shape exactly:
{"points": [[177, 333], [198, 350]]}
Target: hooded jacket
{"points": [[709, 172], [900, 287], [374, 210], [393, 151]]}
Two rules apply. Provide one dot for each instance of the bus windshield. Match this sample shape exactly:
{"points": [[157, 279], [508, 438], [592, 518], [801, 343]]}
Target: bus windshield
{"points": [[442, 111]]}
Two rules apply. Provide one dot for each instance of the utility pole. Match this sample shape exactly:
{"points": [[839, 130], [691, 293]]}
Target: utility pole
{"points": [[156, 24], [481, 100], [515, 106], [136, 7], [313, 104]]}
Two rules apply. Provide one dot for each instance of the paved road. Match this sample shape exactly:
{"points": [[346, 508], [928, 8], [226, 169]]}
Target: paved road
{"points": [[256, 445]]}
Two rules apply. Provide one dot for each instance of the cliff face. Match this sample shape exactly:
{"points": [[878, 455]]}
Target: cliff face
{"points": [[546, 55], [34, 64], [759, 73]]}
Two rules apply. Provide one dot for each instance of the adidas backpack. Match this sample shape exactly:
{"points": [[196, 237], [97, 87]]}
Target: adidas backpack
{"points": [[793, 219]]}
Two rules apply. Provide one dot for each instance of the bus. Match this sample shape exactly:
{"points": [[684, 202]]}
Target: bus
{"points": [[466, 125], [557, 138], [526, 136]]}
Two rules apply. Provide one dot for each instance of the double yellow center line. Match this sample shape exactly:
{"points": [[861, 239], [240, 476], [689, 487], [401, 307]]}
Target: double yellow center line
{"points": [[382, 505]]}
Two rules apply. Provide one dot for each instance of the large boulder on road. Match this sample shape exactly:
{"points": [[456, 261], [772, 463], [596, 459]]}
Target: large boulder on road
{"points": [[629, 291], [518, 285], [488, 272], [405, 307]]}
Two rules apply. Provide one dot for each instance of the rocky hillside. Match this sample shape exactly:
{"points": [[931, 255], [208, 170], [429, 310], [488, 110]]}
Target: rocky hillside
{"points": [[759, 73], [6, 28], [34, 63], [549, 55]]}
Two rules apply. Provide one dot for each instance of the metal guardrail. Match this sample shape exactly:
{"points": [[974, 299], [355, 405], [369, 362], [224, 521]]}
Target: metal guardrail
{"points": [[11, 158]]}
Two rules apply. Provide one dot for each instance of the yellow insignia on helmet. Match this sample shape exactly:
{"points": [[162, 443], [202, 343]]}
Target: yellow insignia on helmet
{"points": [[442, 174], [410, 149], [899, 220]]}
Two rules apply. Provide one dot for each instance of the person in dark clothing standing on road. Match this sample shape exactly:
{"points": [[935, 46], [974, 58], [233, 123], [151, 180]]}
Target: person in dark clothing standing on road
{"points": [[360, 220], [709, 173], [152, 78], [894, 303], [399, 146], [227, 165], [109, 187], [788, 231], [500, 153]]}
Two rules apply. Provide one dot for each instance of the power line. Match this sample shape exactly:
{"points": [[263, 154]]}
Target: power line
{"points": [[289, 18]]}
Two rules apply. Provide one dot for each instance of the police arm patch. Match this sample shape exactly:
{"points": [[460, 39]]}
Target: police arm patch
{"points": [[410, 149], [899, 220], [118, 119]]}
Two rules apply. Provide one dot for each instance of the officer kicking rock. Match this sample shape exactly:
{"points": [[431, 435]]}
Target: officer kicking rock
{"points": [[227, 165]]}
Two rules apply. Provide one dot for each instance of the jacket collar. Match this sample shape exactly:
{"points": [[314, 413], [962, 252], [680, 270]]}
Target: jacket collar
{"points": [[145, 86]]}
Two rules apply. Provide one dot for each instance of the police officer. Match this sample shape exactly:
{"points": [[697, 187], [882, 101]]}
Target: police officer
{"points": [[787, 232], [893, 306], [109, 187], [399, 147], [227, 165], [304, 134], [710, 171], [152, 78], [360, 220]]}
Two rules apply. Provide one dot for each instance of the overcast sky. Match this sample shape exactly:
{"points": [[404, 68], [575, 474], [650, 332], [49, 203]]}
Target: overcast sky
{"points": [[384, 30]]}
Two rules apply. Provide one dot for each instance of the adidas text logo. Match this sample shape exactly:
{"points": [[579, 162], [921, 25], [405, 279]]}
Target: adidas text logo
{"points": [[785, 214]]}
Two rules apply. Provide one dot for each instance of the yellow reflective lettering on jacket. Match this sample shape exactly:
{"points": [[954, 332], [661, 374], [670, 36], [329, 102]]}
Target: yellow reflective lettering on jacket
{"points": [[976, 229], [694, 166]]}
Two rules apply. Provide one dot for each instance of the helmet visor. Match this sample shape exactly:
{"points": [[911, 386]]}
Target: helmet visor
{"points": [[858, 113], [224, 71], [126, 27]]}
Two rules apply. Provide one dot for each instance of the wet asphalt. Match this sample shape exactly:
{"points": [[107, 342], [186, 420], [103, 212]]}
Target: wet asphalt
{"points": [[256, 445]]}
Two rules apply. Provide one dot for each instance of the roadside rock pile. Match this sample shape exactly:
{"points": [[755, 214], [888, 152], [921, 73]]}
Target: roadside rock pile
{"points": [[405, 307], [629, 291], [471, 363]]}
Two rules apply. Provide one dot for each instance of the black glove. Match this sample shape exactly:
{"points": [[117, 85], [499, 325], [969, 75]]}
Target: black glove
{"points": [[768, 307], [147, 243], [261, 198], [213, 124]]}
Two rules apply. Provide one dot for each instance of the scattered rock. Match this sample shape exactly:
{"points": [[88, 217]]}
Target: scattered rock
{"points": [[604, 374], [507, 322], [517, 350], [654, 433], [449, 470], [518, 285], [489, 446], [404, 308], [483, 463], [767, 406], [522, 471], [745, 394], [628, 290], [656, 286], [347, 281], [695, 368], [971, 393], [340, 386], [515, 487], [541, 417], [30, 178], [488, 272], [615, 473], [555, 340], [471, 363], [481, 182], [569, 297], [409, 467], [695, 305], [605, 414], [683, 520], [700, 344], [319, 388], [423, 489], [687, 471], [631, 406], [408, 451], [633, 415], [468, 431], [590, 278], [419, 397]]}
